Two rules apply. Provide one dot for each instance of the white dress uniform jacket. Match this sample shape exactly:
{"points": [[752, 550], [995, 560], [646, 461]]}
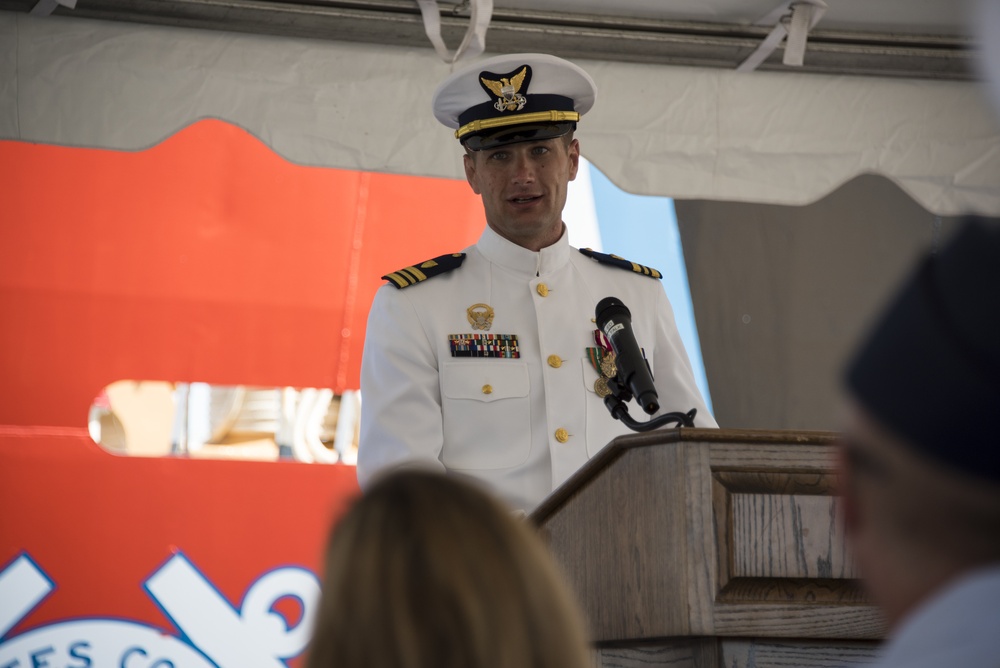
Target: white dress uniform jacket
{"points": [[522, 425], [959, 626]]}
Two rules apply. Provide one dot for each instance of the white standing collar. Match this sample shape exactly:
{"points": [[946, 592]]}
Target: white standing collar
{"points": [[521, 260]]}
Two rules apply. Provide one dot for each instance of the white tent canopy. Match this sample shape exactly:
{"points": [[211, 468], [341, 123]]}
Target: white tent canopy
{"points": [[683, 132]]}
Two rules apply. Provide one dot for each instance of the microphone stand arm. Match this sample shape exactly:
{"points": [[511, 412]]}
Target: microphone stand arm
{"points": [[616, 405]]}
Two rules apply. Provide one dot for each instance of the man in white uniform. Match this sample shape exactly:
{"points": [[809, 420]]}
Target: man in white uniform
{"points": [[487, 361], [921, 460]]}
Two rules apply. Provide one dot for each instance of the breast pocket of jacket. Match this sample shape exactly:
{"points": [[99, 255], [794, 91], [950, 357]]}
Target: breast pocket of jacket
{"points": [[487, 414]]}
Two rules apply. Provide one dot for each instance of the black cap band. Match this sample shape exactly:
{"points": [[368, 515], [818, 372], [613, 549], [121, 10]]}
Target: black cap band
{"points": [[515, 134]]}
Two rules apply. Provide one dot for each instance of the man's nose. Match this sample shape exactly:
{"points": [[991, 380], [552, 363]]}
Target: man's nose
{"points": [[523, 169]]}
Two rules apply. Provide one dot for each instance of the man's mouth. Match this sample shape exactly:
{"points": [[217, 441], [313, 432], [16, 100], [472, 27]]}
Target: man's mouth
{"points": [[524, 199]]}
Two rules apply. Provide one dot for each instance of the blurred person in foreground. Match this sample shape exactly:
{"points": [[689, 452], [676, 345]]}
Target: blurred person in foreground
{"points": [[428, 571], [920, 461]]}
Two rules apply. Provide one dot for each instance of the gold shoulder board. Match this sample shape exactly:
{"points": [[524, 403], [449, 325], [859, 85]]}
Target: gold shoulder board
{"points": [[418, 273], [621, 263]]}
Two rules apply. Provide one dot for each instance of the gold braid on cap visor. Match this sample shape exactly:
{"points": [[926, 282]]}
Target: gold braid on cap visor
{"points": [[500, 121]]}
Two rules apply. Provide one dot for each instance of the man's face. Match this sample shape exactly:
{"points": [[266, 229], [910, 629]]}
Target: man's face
{"points": [[887, 500], [523, 187], [863, 476]]}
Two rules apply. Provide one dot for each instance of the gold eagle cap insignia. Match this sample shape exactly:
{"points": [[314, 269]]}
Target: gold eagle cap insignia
{"points": [[507, 90]]}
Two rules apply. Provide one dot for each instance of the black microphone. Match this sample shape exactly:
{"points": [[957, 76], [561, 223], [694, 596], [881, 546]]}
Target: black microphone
{"points": [[615, 320]]}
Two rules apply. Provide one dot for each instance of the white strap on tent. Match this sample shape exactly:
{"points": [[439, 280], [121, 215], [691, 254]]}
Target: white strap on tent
{"points": [[46, 7], [794, 19], [474, 42], [765, 49]]}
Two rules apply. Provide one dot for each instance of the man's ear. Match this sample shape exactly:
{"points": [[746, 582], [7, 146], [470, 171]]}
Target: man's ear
{"points": [[574, 158], [469, 162]]}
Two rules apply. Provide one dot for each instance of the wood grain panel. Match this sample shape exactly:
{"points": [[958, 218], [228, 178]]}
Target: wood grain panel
{"points": [[797, 620], [788, 536], [789, 590], [740, 653], [796, 654], [795, 456], [679, 653], [634, 547]]}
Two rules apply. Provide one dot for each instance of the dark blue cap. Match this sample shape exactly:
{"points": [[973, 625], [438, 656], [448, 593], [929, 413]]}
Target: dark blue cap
{"points": [[930, 368]]}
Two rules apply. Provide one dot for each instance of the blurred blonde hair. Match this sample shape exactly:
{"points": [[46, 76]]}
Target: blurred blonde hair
{"points": [[426, 571]]}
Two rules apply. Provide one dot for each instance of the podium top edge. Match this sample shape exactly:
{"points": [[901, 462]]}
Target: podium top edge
{"points": [[620, 445]]}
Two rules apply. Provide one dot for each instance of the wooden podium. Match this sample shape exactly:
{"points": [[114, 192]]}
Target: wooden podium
{"points": [[712, 547]]}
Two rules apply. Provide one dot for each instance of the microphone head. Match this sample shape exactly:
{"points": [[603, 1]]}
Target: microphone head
{"points": [[608, 308]]}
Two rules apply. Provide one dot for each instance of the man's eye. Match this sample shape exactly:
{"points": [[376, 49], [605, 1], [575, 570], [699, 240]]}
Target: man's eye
{"points": [[499, 155], [540, 150]]}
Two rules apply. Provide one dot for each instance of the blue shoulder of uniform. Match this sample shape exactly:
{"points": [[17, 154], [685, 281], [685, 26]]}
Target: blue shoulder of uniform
{"points": [[421, 272], [621, 263]]}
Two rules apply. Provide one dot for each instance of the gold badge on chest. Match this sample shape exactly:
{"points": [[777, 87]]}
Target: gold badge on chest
{"points": [[480, 316]]}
